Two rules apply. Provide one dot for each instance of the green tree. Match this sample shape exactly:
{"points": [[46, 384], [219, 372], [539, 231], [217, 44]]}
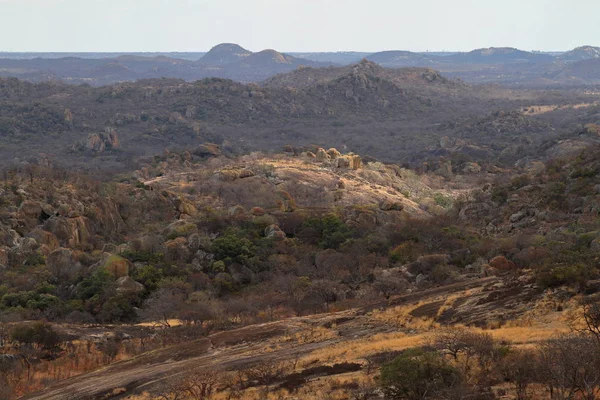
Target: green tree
{"points": [[418, 374]]}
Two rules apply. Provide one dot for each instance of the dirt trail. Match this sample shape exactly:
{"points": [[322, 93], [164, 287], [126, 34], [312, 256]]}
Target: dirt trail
{"points": [[231, 350]]}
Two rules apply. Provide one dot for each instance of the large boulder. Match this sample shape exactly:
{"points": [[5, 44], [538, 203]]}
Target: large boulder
{"points": [[150, 243], [355, 161], [127, 285], [45, 238], [333, 153], [177, 250], [181, 228], [117, 266], [30, 209], [322, 155], [71, 232], [390, 205], [208, 150], [285, 201], [3, 257], [274, 232], [501, 263], [62, 264], [342, 162]]}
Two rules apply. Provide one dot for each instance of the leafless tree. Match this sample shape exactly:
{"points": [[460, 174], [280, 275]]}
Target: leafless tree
{"points": [[570, 366], [519, 368], [389, 285], [591, 320]]}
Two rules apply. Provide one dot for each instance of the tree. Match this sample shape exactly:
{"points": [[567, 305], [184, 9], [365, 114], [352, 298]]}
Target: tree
{"points": [[419, 375], [519, 368], [389, 285], [591, 319], [162, 306], [39, 334], [570, 366]]}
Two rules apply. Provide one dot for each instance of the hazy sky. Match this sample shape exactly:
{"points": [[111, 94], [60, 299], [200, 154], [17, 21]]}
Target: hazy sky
{"points": [[296, 25]]}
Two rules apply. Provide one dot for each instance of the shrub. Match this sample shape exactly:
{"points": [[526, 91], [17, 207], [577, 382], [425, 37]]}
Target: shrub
{"points": [[233, 247], [404, 253], [39, 333], [419, 374], [571, 275]]}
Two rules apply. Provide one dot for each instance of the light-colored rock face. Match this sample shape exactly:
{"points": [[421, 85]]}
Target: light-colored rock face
{"points": [[322, 155], [117, 266], [3, 257], [274, 232], [127, 285], [72, 232], [61, 263], [100, 142]]}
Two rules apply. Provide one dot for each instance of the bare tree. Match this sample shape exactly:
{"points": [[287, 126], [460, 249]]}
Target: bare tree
{"points": [[162, 306], [520, 368], [390, 285], [591, 319], [570, 366]]}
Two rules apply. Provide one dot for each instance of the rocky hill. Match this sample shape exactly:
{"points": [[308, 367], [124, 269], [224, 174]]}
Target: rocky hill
{"points": [[225, 53], [581, 53], [498, 55], [308, 253], [396, 59]]}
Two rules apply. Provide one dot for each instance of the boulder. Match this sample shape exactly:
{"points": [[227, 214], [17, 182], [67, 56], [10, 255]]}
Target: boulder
{"points": [[322, 155], [208, 150], [333, 153], [285, 201], [487, 271], [516, 217], [3, 257], [181, 228], [595, 245], [177, 249], [71, 232], [61, 263], [342, 162], [501, 263], [117, 266], [30, 209], [274, 232], [185, 207], [257, 211], [127, 285], [150, 243], [245, 173], [355, 161], [390, 205], [237, 212], [45, 238]]}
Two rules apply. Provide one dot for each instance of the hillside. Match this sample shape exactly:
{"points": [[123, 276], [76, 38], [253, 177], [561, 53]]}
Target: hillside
{"points": [[314, 266], [585, 72], [395, 59], [225, 53], [498, 55], [581, 53]]}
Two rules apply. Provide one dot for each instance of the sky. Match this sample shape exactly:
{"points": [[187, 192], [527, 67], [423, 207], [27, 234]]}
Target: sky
{"points": [[296, 25]]}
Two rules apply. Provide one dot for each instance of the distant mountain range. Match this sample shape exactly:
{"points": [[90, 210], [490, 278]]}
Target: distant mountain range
{"points": [[490, 65]]}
